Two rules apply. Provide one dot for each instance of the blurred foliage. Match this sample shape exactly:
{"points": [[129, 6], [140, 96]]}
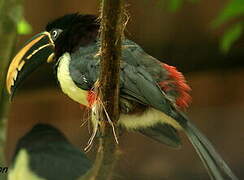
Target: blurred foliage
{"points": [[23, 27], [174, 5], [230, 36], [2, 140], [233, 9], [10, 15]]}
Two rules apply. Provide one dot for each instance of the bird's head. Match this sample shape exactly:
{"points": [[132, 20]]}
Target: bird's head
{"points": [[65, 34]]}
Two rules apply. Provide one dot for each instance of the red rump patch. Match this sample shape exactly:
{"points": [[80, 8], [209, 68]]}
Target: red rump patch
{"points": [[176, 82], [91, 98]]}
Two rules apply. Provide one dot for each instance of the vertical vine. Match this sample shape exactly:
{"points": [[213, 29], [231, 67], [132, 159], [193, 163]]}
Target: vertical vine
{"points": [[111, 33]]}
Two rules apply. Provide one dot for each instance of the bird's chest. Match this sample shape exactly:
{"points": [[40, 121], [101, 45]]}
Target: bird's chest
{"points": [[66, 82]]}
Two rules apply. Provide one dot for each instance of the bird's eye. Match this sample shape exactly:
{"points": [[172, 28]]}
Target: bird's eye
{"points": [[55, 33]]}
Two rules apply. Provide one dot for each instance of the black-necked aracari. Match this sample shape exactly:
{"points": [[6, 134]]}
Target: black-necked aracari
{"points": [[153, 95], [44, 153]]}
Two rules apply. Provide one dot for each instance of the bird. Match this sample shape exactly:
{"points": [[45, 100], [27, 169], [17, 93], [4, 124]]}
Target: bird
{"points": [[153, 94], [44, 153]]}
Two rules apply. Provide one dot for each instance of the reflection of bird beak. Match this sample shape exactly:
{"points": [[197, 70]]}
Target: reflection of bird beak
{"points": [[37, 50]]}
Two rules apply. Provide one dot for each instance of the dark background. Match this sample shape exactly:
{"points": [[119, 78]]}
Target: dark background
{"points": [[184, 39]]}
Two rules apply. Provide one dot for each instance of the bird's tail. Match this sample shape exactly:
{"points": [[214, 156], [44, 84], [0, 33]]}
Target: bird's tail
{"points": [[216, 166]]}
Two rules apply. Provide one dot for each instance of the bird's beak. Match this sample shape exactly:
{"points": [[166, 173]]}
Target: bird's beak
{"points": [[38, 50]]}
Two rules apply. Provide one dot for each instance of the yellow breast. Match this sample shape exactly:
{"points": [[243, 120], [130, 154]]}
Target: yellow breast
{"points": [[67, 84]]}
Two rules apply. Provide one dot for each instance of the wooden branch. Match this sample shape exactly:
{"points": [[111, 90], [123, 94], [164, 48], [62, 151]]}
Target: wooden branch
{"points": [[111, 26], [108, 88], [10, 14]]}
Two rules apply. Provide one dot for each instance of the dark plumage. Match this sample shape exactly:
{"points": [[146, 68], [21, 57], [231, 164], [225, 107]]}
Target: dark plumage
{"points": [[50, 156], [78, 30]]}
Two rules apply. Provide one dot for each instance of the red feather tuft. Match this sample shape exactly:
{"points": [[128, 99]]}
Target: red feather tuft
{"points": [[91, 98], [176, 82]]}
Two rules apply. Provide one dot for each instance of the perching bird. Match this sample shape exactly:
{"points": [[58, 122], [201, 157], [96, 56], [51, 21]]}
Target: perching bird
{"points": [[44, 153], [152, 94]]}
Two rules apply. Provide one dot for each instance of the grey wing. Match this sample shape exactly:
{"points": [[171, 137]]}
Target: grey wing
{"points": [[133, 54], [135, 84]]}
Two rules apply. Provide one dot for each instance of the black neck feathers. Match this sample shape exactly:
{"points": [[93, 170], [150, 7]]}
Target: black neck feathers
{"points": [[78, 30]]}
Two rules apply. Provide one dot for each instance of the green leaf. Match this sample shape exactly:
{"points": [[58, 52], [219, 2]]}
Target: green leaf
{"points": [[230, 36], [174, 5], [23, 27], [234, 8]]}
